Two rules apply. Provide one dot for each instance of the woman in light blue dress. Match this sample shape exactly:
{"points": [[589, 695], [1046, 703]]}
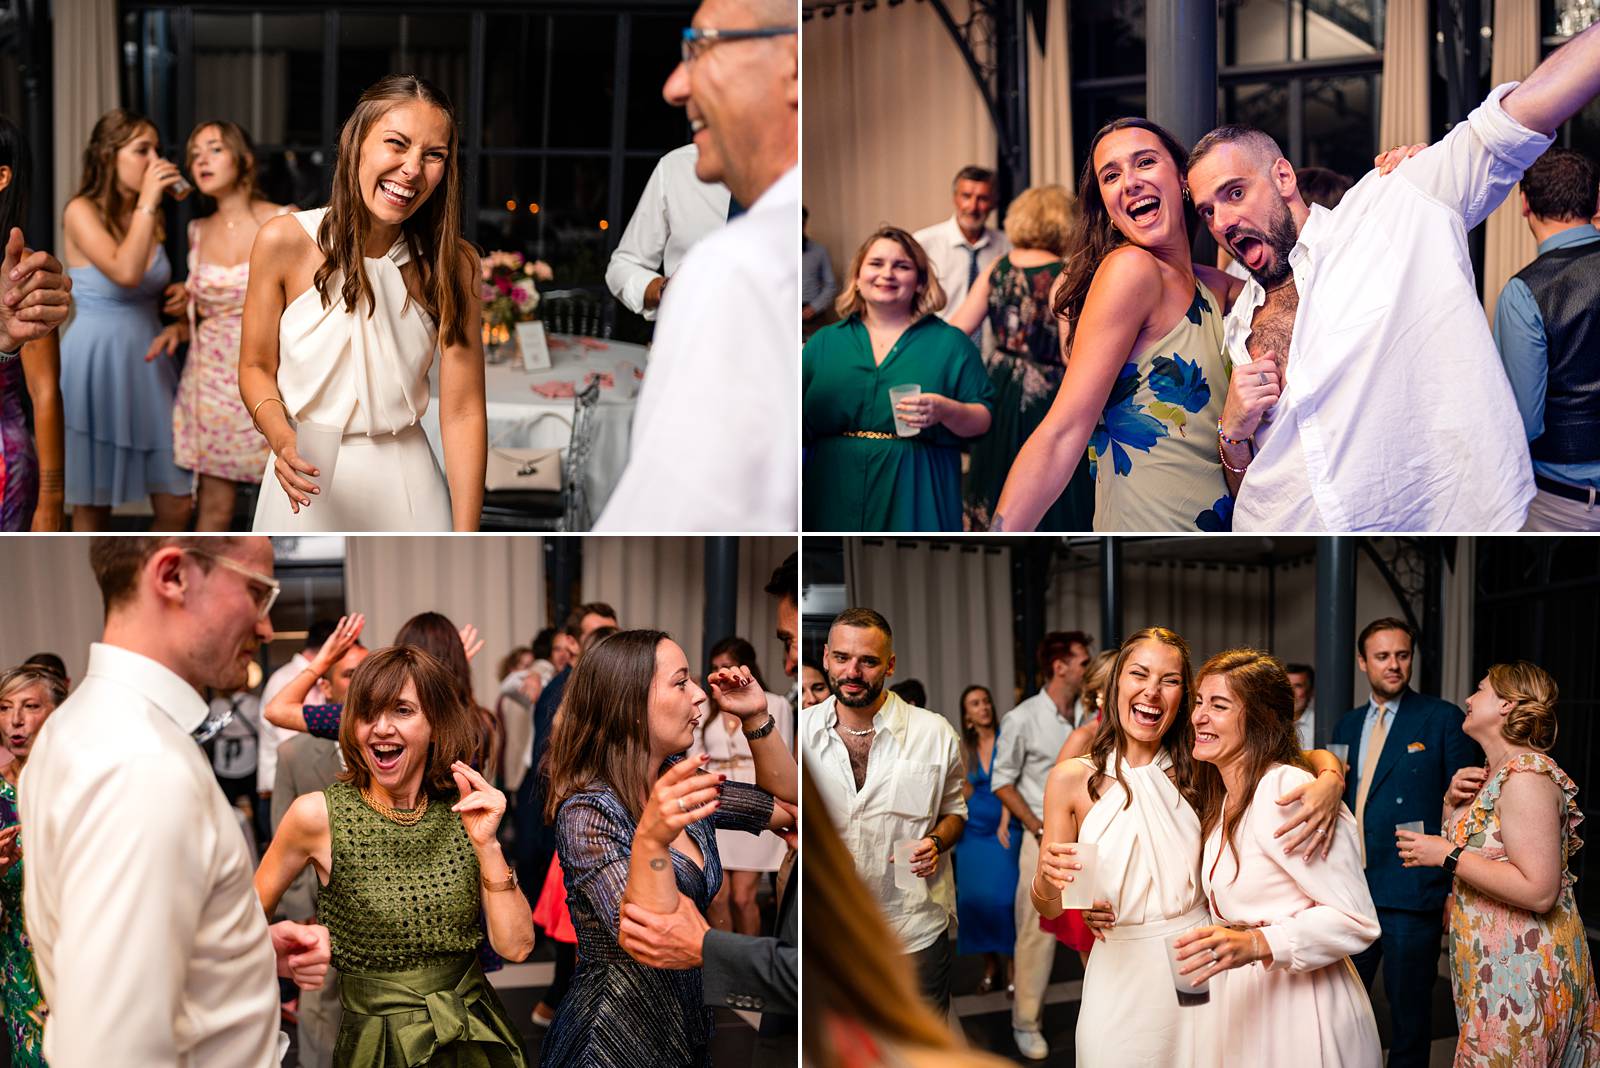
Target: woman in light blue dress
{"points": [[117, 398], [987, 852]]}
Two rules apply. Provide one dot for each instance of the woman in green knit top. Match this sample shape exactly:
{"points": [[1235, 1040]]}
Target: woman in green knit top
{"points": [[405, 850]]}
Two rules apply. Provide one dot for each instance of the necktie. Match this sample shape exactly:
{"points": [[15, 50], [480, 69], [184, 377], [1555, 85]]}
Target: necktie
{"points": [[1369, 764], [735, 209], [972, 278]]}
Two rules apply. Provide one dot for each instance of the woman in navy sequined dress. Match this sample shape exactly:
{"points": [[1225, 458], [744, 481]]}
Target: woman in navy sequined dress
{"points": [[628, 714]]}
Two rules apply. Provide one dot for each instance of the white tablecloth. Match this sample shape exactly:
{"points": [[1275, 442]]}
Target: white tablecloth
{"points": [[522, 419]]}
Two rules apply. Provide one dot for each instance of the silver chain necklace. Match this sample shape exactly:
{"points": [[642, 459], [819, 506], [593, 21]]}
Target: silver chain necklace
{"points": [[858, 734]]}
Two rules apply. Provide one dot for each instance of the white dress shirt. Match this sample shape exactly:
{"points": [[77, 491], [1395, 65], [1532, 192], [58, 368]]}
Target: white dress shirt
{"points": [[151, 944], [1031, 737], [273, 736], [914, 774], [717, 410], [674, 212], [947, 247], [1396, 415], [1305, 727]]}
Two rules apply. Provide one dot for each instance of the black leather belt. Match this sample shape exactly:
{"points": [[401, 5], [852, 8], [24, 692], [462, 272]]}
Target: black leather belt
{"points": [[1584, 495]]}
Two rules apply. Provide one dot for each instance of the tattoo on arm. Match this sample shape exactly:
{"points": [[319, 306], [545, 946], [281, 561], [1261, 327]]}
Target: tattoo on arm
{"points": [[658, 863]]}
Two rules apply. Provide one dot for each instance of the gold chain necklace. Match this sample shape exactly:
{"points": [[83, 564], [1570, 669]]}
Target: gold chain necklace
{"points": [[405, 818]]}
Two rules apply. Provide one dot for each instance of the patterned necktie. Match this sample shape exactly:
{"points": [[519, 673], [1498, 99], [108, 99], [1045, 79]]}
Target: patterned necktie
{"points": [[972, 278], [1369, 764]]}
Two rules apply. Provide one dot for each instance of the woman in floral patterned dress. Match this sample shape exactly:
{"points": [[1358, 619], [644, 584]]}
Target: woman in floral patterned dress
{"points": [[27, 696], [1519, 959], [211, 431]]}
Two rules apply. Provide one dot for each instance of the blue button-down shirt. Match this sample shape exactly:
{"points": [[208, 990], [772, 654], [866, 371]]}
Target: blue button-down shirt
{"points": [[1519, 335]]}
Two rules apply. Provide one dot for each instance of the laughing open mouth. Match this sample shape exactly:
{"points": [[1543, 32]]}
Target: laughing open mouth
{"points": [[1146, 715], [386, 756], [1143, 208]]}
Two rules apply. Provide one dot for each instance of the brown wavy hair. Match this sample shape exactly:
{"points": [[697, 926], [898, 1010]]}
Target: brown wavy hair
{"points": [[375, 688], [602, 729], [1095, 237], [1197, 782], [235, 140], [1532, 694], [930, 294], [1263, 693], [99, 183], [432, 233]]}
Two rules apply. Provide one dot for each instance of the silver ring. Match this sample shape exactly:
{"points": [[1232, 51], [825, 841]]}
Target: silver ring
{"points": [[683, 806], [1320, 832], [1213, 953], [1263, 376]]}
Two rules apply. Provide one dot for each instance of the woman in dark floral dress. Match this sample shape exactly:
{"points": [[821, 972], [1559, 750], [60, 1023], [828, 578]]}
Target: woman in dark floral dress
{"points": [[1028, 360]]}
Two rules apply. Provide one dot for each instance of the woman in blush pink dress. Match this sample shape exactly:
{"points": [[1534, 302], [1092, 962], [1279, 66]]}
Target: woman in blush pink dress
{"points": [[1278, 953]]}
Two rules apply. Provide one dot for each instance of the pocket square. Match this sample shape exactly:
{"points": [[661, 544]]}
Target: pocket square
{"points": [[1415, 747]]}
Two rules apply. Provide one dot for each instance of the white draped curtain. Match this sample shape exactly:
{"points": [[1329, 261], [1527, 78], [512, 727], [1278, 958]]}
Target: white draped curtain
{"points": [[1403, 103], [84, 86], [52, 602], [1508, 243], [494, 583], [1050, 101]]}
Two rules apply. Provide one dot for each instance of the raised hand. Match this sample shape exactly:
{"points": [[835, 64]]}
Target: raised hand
{"points": [[1464, 786], [481, 805], [35, 294], [339, 643], [470, 642], [683, 794], [736, 691], [159, 176]]}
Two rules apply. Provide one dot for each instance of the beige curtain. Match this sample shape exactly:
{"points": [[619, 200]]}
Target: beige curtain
{"points": [[891, 113], [53, 604], [259, 102], [84, 50], [1050, 102], [1508, 243], [496, 584], [1403, 108], [950, 607], [660, 583]]}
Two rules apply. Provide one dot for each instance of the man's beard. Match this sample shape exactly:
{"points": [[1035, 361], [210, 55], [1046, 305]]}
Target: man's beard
{"points": [[1281, 239], [867, 697]]}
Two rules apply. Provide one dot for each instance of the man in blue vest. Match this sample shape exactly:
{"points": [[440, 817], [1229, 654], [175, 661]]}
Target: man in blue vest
{"points": [[1404, 749], [1547, 328]]}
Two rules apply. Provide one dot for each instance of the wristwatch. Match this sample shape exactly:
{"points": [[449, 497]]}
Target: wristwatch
{"points": [[764, 730], [1451, 861], [938, 843], [509, 883], [7, 357]]}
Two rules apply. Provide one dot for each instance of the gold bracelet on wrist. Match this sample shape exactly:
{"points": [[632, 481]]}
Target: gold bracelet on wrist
{"points": [[153, 212], [257, 408], [508, 883]]}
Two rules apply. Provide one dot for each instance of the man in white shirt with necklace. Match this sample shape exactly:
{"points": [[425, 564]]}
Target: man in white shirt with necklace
{"points": [[1031, 737], [1361, 332], [964, 246], [888, 772], [674, 212], [138, 890], [718, 403]]}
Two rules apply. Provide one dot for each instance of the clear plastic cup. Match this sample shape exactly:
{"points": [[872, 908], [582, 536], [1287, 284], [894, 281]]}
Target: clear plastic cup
{"points": [[1415, 826], [896, 395], [904, 878], [1079, 893], [1189, 992], [318, 445], [1340, 751]]}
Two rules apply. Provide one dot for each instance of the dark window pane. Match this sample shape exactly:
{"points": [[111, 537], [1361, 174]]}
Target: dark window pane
{"points": [[432, 47], [549, 81], [299, 178], [1090, 112], [1107, 38], [263, 72], [1339, 124], [652, 122], [550, 208], [1264, 105], [150, 71]]}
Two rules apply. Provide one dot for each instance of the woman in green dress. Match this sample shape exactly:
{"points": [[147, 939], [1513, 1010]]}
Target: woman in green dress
{"points": [[859, 473], [1145, 379], [1029, 357], [405, 850], [27, 696]]}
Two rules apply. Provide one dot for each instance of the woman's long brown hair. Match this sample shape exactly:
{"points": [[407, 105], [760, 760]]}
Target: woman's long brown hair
{"points": [[1197, 782], [1263, 693], [602, 729], [1095, 237], [432, 233], [99, 183]]}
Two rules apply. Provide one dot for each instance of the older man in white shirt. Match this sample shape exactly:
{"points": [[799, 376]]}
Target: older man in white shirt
{"points": [[964, 245], [718, 407], [151, 944], [674, 212], [1361, 330], [890, 772], [1031, 737]]}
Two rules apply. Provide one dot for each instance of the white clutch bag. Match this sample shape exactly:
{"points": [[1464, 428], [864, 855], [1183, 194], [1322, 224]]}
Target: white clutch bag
{"points": [[523, 469]]}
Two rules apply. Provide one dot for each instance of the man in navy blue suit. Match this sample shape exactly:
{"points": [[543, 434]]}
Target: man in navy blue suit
{"points": [[1404, 749]]}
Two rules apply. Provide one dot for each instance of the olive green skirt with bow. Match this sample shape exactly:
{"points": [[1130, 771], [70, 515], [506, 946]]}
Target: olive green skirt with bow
{"points": [[444, 1016]]}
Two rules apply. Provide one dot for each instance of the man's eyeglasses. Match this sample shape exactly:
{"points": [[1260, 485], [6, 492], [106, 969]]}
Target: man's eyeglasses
{"points": [[695, 42], [263, 589]]}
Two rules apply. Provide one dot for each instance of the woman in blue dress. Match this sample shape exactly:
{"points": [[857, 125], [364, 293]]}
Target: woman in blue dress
{"points": [[986, 855], [118, 403], [628, 829]]}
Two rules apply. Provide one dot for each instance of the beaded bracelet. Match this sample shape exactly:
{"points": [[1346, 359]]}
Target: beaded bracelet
{"points": [[1226, 438], [1224, 458]]}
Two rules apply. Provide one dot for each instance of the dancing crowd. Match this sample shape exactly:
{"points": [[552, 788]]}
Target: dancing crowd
{"points": [[614, 801], [311, 334], [1241, 888], [1123, 386]]}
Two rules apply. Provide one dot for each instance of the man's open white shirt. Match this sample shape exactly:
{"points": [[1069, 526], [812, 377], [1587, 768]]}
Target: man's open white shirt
{"points": [[1396, 414]]}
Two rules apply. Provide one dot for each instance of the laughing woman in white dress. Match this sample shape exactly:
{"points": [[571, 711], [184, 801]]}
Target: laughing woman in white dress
{"points": [[1280, 970], [1137, 796], [345, 309]]}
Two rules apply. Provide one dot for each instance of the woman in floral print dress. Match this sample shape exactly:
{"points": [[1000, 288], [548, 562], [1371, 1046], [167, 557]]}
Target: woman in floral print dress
{"points": [[1519, 959]]}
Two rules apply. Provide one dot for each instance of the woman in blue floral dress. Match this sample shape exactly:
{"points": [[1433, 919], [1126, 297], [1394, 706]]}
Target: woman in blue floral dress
{"points": [[27, 696], [1145, 379]]}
